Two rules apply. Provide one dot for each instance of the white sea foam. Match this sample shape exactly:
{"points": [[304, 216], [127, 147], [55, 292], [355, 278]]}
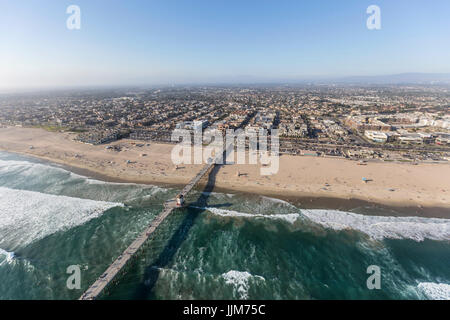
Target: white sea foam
{"points": [[6, 256], [275, 200], [34, 168], [379, 227], [289, 217], [27, 216], [95, 181], [14, 165], [435, 291], [155, 189], [240, 281]]}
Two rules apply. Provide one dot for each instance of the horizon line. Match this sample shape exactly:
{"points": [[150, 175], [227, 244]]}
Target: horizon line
{"points": [[349, 80]]}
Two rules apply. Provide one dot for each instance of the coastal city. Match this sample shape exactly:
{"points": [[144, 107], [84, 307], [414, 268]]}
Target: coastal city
{"points": [[389, 123], [224, 159]]}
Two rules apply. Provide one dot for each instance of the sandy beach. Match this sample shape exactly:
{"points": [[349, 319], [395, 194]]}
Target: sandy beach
{"points": [[394, 184]]}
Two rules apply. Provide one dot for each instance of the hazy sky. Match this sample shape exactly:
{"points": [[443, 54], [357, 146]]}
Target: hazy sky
{"points": [[174, 41]]}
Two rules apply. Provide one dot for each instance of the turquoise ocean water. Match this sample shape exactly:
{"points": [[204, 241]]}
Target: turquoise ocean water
{"points": [[224, 246]]}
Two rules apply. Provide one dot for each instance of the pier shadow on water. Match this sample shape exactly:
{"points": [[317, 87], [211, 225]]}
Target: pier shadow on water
{"points": [[151, 274]]}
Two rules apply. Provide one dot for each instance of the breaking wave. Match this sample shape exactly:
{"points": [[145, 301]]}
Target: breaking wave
{"points": [[279, 201], [35, 168], [14, 166], [6, 256], [435, 291], [240, 281], [95, 181], [289, 217], [376, 227], [27, 216], [379, 227]]}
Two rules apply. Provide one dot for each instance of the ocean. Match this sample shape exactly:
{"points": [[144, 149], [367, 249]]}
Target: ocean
{"points": [[223, 246]]}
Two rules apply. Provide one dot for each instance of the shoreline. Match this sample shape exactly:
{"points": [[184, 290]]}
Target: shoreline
{"points": [[302, 201], [311, 182]]}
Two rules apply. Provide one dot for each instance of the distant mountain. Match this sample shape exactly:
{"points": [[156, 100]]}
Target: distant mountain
{"points": [[403, 78]]}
